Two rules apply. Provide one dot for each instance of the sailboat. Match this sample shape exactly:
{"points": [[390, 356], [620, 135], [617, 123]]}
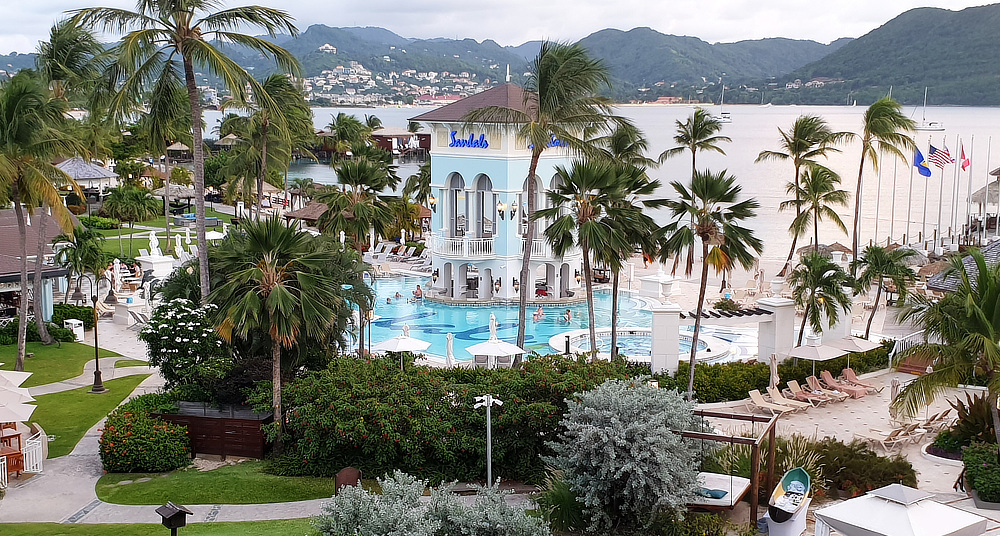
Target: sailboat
{"points": [[933, 126], [723, 116]]}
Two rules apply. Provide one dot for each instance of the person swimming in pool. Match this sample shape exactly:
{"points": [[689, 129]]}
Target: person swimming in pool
{"points": [[567, 316], [398, 296], [418, 294], [539, 314]]}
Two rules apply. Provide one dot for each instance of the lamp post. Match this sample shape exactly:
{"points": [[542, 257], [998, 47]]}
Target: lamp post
{"points": [[98, 387], [488, 401]]}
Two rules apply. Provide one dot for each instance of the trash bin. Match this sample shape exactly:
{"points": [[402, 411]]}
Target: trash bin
{"points": [[76, 326]]}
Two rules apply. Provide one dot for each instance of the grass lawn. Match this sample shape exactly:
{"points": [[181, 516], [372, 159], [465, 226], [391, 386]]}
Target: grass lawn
{"points": [[209, 213], [51, 363], [69, 414], [289, 527], [121, 363], [245, 483]]}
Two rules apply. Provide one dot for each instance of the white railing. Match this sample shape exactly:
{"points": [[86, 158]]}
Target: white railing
{"points": [[540, 249], [33, 454], [3, 472], [462, 247], [904, 343]]}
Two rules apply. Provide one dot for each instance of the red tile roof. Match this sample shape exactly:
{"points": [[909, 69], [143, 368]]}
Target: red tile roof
{"points": [[506, 95]]}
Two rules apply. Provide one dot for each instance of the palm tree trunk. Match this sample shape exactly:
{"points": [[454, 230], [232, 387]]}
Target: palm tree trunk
{"points": [[795, 237], [995, 412], [857, 211], [199, 175], [131, 226], [878, 296], [529, 238], [697, 318], [166, 199], [816, 229], [263, 168], [689, 265], [802, 328], [588, 275], [36, 282], [276, 394], [614, 315], [69, 285], [22, 309]]}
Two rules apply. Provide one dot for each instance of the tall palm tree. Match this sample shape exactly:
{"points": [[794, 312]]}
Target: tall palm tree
{"points": [[818, 286], [81, 251], [276, 283], [709, 210], [71, 60], [176, 35], [418, 185], [372, 122], [130, 204], [356, 206], [816, 194], [698, 133], [625, 144], [561, 101], [32, 136], [809, 139], [884, 130], [576, 209], [276, 110], [878, 264], [346, 131], [966, 327]]}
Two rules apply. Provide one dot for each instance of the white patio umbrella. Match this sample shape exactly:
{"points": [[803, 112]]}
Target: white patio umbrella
{"points": [[897, 510], [816, 353], [853, 345], [402, 343], [15, 395], [495, 347], [449, 358], [15, 412], [13, 378], [214, 235]]}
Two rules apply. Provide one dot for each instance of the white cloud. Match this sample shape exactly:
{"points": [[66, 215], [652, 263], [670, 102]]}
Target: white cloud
{"points": [[512, 22]]}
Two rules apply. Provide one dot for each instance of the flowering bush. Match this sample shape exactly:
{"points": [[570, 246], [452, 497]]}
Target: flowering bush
{"points": [[620, 453], [135, 442], [184, 345], [399, 510], [982, 472]]}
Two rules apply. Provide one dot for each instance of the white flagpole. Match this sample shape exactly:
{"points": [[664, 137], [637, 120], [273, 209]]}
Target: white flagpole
{"points": [[878, 195], [954, 190], [892, 207], [909, 205], [940, 200], [968, 198]]}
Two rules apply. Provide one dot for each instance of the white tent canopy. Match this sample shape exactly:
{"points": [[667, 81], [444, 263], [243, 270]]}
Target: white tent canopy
{"points": [[897, 510]]}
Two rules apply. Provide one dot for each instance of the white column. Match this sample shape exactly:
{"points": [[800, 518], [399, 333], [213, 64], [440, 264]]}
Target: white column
{"points": [[778, 335], [843, 326], [665, 352]]}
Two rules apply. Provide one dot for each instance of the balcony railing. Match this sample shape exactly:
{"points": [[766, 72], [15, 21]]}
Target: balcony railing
{"points": [[469, 248], [540, 249]]}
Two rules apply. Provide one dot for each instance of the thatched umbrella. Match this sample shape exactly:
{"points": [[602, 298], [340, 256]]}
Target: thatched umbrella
{"points": [[933, 268], [824, 250]]}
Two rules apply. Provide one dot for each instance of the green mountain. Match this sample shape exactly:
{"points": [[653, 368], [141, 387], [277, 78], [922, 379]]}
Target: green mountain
{"points": [[953, 53], [645, 56]]}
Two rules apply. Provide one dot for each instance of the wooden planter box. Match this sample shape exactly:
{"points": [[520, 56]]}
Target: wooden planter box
{"points": [[231, 431]]}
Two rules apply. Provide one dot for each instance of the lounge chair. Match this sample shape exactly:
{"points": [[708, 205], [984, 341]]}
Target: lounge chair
{"points": [[937, 422], [832, 383], [777, 398], [851, 377], [481, 361], [103, 309], [757, 402], [913, 432], [817, 399], [836, 394], [139, 322], [888, 441], [404, 254]]}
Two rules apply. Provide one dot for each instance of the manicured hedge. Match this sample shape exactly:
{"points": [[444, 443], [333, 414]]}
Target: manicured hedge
{"points": [[132, 441], [982, 471], [97, 222], [62, 311], [8, 333]]}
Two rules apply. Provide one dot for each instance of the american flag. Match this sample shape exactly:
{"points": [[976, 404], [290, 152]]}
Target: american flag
{"points": [[940, 157]]}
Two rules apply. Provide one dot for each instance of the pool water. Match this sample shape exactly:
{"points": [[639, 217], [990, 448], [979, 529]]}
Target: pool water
{"points": [[470, 325], [637, 345]]}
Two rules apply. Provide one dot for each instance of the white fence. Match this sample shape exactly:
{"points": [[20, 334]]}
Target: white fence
{"points": [[462, 247], [904, 343], [3, 473], [33, 454]]}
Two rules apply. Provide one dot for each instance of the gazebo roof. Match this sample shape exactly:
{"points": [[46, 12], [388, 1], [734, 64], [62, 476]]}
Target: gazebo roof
{"points": [[228, 140], [947, 281], [178, 146], [987, 194], [79, 169], [176, 192], [311, 212], [506, 95]]}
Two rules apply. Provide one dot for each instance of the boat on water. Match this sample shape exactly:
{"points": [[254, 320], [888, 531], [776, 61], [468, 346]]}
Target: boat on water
{"points": [[925, 125], [790, 495], [723, 116]]}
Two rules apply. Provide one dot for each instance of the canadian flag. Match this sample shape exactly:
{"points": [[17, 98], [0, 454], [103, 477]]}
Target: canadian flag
{"points": [[965, 160]]}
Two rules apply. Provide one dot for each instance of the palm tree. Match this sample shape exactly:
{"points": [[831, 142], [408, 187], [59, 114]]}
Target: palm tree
{"points": [[372, 122], [82, 251], [709, 210], [33, 135], [625, 144], [816, 194], [356, 207], [810, 138], [276, 113], [883, 130], [576, 208], [818, 286], [71, 60], [176, 35], [418, 185], [878, 264], [346, 131], [276, 283], [130, 204], [561, 101], [698, 133], [966, 327]]}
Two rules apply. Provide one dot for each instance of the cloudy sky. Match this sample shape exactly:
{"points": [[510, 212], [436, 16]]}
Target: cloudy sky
{"points": [[512, 22]]}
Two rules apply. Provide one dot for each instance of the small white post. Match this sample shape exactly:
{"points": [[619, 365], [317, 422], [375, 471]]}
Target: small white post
{"points": [[488, 401]]}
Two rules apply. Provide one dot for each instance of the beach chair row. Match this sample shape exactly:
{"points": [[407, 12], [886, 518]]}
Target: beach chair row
{"points": [[820, 391]]}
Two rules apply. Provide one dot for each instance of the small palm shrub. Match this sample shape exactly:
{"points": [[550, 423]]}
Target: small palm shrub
{"points": [[558, 504], [974, 421], [789, 452]]}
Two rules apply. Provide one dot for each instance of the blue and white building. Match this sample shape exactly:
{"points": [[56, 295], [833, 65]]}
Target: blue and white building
{"points": [[479, 200]]}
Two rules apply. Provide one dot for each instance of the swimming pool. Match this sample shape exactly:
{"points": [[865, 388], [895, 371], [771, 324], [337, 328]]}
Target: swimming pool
{"points": [[470, 325]]}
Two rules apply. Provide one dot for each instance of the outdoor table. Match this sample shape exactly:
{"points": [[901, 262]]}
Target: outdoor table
{"points": [[15, 460], [7, 435]]}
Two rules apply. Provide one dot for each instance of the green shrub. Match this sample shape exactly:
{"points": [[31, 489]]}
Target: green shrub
{"points": [[974, 421], [982, 471], [135, 442], [852, 469], [727, 304], [948, 442], [8, 333], [63, 311], [97, 222], [789, 452], [559, 506], [694, 524]]}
